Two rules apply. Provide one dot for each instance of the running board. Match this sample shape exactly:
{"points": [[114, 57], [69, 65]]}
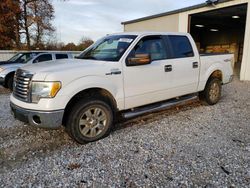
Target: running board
{"points": [[159, 106]]}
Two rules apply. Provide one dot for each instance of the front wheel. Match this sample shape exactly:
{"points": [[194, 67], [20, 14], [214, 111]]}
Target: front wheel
{"points": [[10, 81], [212, 92], [89, 120]]}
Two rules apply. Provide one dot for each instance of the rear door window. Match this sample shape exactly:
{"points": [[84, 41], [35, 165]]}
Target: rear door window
{"points": [[42, 58], [61, 56], [180, 46]]}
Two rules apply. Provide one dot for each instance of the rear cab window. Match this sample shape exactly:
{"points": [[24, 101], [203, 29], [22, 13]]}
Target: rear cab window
{"points": [[62, 56], [180, 46]]}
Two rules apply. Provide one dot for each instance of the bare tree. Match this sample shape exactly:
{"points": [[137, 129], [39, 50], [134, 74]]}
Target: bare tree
{"points": [[29, 21], [36, 20], [84, 43], [26, 19], [43, 14]]}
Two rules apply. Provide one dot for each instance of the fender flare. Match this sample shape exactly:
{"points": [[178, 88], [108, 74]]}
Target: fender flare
{"points": [[91, 82]]}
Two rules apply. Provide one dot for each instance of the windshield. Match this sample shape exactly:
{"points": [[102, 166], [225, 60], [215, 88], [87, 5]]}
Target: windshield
{"points": [[110, 48], [15, 57], [23, 57]]}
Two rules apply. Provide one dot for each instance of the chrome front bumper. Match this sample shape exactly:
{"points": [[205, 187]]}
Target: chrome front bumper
{"points": [[42, 119]]}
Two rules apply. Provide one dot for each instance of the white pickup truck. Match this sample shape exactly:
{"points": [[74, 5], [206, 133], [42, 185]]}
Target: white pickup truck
{"points": [[125, 74], [8, 68]]}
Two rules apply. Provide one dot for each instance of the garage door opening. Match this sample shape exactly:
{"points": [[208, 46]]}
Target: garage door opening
{"points": [[221, 31]]}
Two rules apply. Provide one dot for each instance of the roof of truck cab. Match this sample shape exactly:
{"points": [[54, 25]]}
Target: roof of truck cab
{"points": [[149, 33], [56, 52]]}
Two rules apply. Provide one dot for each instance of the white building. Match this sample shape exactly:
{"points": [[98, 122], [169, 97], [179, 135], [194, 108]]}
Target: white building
{"points": [[219, 27]]}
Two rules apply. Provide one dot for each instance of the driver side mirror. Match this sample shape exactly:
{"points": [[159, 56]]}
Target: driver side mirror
{"points": [[21, 61], [139, 59]]}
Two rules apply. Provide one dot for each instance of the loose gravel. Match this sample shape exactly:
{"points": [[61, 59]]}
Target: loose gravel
{"points": [[190, 146]]}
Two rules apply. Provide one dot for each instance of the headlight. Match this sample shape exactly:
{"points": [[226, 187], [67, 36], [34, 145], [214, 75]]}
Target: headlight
{"points": [[1, 69], [44, 90]]}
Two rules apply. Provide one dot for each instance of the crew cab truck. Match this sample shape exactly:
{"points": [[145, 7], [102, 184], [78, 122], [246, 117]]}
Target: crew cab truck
{"points": [[124, 74], [8, 68]]}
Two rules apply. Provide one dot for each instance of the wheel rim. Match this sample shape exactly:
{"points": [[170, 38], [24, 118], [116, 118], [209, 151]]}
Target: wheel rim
{"points": [[214, 92], [92, 122]]}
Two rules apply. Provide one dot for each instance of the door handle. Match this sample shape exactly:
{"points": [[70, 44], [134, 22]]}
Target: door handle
{"points": [[195, 65], [168, 68], [114, 72]]}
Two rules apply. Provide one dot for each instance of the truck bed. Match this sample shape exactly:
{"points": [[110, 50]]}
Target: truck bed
{"points": [[224, 62]]}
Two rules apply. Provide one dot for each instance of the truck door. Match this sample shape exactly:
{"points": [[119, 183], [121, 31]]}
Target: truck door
{"points": [[184, 63], [145, 84]]}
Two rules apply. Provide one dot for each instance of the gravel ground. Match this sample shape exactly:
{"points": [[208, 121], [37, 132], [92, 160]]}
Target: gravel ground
{"points": [[191, 146]]}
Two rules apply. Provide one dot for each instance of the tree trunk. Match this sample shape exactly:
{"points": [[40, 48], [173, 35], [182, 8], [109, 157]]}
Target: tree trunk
{"points": [[17, 32], [26, 27], [38, 30]]}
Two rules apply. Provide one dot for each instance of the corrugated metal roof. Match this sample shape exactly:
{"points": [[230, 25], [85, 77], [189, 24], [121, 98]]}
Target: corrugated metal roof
{"points": [[172, 12]]}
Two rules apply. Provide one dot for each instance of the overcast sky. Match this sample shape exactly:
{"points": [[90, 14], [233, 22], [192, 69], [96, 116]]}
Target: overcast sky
{"points": [[96, 18]]}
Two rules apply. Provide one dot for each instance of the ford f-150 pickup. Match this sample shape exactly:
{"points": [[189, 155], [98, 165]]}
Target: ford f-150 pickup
{"points": [[126, 74]]}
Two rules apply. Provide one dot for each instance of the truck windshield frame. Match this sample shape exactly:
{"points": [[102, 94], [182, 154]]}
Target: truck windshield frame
{"points": [[109, 48], [23, 57]]}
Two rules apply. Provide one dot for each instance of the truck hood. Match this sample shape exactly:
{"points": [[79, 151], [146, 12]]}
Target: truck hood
{"points": [[11, 65], [60, 65], [63, 68], [6, 62]]}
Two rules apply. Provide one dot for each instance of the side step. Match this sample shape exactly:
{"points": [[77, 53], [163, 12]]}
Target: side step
{"points": [[159, 106]]}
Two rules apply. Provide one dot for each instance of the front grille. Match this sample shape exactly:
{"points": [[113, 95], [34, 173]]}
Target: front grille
{"points": [[22, 85]]}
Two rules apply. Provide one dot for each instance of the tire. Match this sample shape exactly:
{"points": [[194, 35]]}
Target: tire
{"points": [[5, 85], [89, 120], [9, 82], [212, 93]]}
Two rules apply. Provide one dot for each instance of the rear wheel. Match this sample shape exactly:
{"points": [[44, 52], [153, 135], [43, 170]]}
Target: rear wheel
{"points": [[89, 120], [212, 92]]}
